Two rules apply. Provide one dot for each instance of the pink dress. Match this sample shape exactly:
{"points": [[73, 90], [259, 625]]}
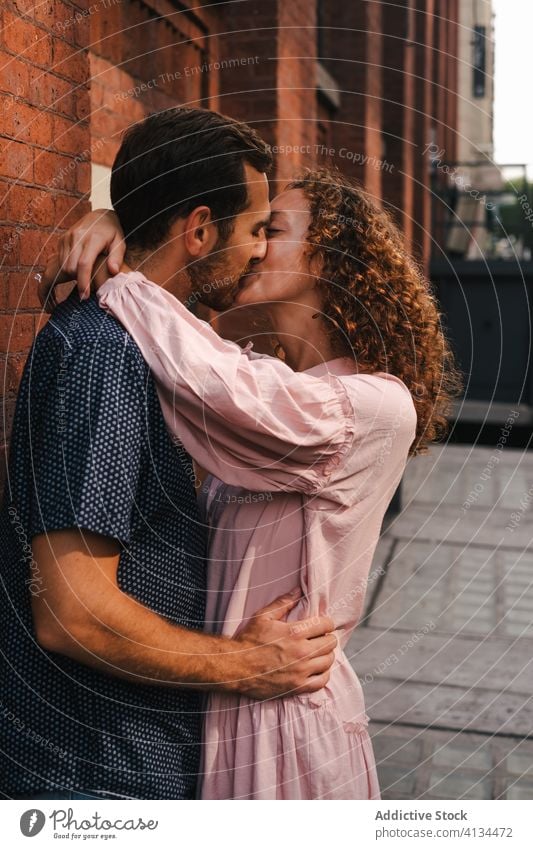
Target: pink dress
{"points": [[303, 466]]}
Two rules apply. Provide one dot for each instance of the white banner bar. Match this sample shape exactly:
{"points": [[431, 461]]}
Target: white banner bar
{"points": [[269, 825]]}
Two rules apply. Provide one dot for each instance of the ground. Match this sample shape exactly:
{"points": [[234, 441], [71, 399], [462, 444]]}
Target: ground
{"points": [[445, 652]]}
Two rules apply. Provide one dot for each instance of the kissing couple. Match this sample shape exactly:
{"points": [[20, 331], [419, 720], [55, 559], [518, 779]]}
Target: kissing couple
{"points": [[201, 518]]}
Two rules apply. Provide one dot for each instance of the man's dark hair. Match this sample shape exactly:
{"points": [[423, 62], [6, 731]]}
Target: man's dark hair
{"points": [[176, 160]]}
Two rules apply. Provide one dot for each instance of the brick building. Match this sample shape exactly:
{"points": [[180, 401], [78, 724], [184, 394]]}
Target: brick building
{"points": [[362, 85]]}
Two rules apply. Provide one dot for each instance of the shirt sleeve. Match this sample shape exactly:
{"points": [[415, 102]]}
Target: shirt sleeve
{"points": [[251, 422], [87, 443]]}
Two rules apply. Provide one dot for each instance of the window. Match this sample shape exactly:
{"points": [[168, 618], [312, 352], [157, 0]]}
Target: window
{"points": [[479, 60]]}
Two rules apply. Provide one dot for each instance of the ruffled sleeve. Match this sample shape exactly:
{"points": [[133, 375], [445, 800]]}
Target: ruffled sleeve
{"points": [[250, 421]]}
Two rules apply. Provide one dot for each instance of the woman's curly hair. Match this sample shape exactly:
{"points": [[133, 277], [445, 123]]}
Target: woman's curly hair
{"points": [[377, 302]]}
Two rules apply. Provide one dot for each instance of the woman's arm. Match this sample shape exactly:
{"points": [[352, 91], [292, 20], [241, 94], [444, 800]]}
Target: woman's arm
{"points": [[78, 254], [251, 422]]}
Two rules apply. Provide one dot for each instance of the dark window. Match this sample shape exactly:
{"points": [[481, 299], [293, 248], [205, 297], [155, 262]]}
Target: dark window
{"points": [[479, 61]]}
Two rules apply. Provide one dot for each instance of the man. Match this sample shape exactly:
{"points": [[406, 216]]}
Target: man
{"points": [[103, 548]]}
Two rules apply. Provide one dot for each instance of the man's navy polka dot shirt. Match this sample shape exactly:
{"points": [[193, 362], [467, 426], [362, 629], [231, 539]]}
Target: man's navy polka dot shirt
{"points": [[90, 450]]}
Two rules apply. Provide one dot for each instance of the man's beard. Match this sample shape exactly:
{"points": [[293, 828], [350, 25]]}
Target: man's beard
{"points": [[214, 282]]}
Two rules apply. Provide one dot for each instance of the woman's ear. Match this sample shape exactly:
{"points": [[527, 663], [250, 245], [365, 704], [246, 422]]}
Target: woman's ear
{"points": [[200, 233]]}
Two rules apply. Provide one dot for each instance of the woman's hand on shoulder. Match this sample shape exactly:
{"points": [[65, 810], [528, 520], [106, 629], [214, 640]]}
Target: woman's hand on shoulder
{"points": [[98, 232]]}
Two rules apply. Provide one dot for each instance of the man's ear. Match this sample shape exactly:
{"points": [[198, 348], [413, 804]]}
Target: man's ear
{"points": [[200, 233]]}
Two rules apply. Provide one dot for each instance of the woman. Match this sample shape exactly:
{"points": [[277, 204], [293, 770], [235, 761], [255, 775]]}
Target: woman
{"points": [[304, 455]]}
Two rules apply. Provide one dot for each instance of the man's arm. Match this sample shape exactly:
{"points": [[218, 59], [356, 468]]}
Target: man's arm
{"points": [[83, 614]]}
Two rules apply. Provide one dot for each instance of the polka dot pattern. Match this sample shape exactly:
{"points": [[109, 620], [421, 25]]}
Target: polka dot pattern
{"points": [[90, 449]]}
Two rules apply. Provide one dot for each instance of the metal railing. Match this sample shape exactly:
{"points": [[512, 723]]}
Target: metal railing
{"points": [[481, 211]]}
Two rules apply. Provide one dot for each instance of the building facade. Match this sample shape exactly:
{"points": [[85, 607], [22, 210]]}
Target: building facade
{"points": [[475, 174], [475, 140]]}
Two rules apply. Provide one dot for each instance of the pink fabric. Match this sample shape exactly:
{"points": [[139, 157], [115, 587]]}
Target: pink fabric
{"points": [[303, 466]]}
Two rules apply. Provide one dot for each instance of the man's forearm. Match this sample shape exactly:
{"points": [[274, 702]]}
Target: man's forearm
{"points": [[85, 615], [132, 642]]}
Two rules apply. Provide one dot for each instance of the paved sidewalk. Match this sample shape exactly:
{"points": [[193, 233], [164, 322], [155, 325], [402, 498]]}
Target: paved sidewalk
{"points": [[445, 652]]}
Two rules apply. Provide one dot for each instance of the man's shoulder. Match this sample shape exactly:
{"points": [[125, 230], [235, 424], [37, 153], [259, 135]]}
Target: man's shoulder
{"points": [[82, 327]]}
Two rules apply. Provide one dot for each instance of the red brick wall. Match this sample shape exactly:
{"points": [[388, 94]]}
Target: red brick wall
{"points": [[141, 63], [425, 30], [249, 31], [276, 93], [353, 57], [419, 107], [398, 102], [445, 76], [44, 162], [374, 100], [296, 87]]}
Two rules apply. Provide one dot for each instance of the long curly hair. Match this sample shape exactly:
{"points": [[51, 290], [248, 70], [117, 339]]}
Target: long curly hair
{"points": [[378, 305]]}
